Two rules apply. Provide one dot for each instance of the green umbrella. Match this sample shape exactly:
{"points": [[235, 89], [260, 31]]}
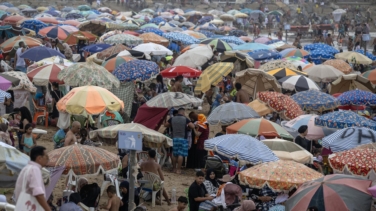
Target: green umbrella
{"points": [[84, 8], [149, 25], [130, 26], [219, 45], [275, 12]]}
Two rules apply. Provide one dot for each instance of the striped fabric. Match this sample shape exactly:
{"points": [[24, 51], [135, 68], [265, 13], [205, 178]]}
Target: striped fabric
{"points": [[4, 95], [243, 147], [298, 83], [349, 138], [212, 76], [230, 112]]}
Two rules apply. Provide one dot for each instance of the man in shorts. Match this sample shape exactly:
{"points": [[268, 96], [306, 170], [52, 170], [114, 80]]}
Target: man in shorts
{"points": [[179, 125]]}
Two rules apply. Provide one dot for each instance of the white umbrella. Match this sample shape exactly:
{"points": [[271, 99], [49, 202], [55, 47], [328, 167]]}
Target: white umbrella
{"points": [[323, 73], [298, 83], [153, 49], [288, 150], [195, 57]]}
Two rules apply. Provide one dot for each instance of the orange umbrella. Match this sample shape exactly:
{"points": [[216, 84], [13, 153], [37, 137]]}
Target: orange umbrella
{"points": [[154, 38], [191, 47], [48, 20], [131, 33], [75, 37], [340, 65], [113, 63], [194, 34], [245, 38], [72, 23]]}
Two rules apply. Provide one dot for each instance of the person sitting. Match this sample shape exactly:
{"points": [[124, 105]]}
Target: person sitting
{"points": [[182, 204], [114, 202], [199, 199], [211, 183], [74, 199], [264, 198], [59, 138], [70, 137], [124, 187], [85, 140], [4, 135]]}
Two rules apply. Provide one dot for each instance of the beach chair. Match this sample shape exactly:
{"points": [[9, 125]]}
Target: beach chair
{"points": [[40, 112], [154, 186]]}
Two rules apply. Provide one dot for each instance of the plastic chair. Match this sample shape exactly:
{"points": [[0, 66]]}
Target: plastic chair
{"points": [[111, 122], [154, 186], [40, 111]]}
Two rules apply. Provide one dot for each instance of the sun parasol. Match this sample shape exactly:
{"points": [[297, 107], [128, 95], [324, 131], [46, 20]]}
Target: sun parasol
{"points": [[332, 192], [353, 57], [54, 32], [24, 83], [262, 40], [277, 64], [69, 28], [42, 76], [115, 62], [35, 25], [370, 75], [180, 37], [136, 70], [284, 105], [48, 20], [344, 119], [195, 57], [212, 75], [218, 44], [294, 52], [93, 26], [13, 20], [350, 82], [252, 47], [357, 97], [150, 138], [7, 81], [240, 59], [264, 55], [323, 73], [260, 108], [89, 99], [173, 99], [281, 175], [298, 83], [189, 47], [185, 71], [75, 37], [108, 52], [13, 42], [339, 64], [88, 73], [54, 60], [154, 38], [83, 160], [153, 49], [280, 73], [126, 39], [227, 17], [314, 100], [41, 52], [232, 39], [229, 113], [242, 147]]}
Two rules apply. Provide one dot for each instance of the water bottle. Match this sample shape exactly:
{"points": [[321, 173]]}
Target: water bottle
{"points": [[173, 196]]}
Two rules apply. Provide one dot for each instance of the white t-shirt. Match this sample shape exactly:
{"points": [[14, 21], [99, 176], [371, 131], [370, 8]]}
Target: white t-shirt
{"points": [[20, 61]]}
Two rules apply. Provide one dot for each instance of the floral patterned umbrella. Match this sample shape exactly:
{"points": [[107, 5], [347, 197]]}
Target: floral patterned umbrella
{"points": [[284, 105], [344, 119], [272, 65], [339, 64], [154, 38], [357, 97], [112, 51], [126, 39], [25, 83], [136, 70], [88, 73], [281, 175], [314, 100]]}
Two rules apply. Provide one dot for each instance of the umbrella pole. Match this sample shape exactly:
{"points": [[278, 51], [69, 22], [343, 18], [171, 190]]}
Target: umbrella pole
{"points": [[132, 179]]}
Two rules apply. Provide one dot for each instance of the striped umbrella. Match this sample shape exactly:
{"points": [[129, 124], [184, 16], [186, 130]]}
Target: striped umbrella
{"points": [[314, 100], [42, 76], [294, 52], [173, 99], [41, 52], [332, 192], [13, 42], [54, 32], [185, 71], [229, 113], [75, 37], [283, 72], [298, 83], [357, 97], [242, 147], [259, 127], [219, 45], [113, 63], [212, 76], [4, 95]]}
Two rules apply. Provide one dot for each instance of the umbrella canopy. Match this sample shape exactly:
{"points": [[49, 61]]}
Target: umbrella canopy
{"points": [[195, 34], [108, 52], [357, 97], [185, 71], [150, 138], [283, 72], [153, 49], [263, 55], [173, 99], [370, 75], [298, 83], [344, 119], [219, 45], [294, 52], [96, 48], [260, 107], [281, 175], [180, 37], [323, 73], [339, 65], [54, 32], [154, 38], [42, 76], [243, 59], [284, 105], [69, 28], [277, 64], [212, 75], [89, 99], [287, 150], [75, 37], [353, 57], [88, 73], [7, 81], [195, 57], [93, 26], [136, 70], [83, 160], [13, 43], [126, 39], [242, 147], [258, 127], [252, 47], [314, 100], [349, 138], [350, 82], [233, 39], [115, 62], [254, 80], [48, 20], [24, 84], [332, 192], [262, 40], [229, 113], [34, 25], [41, 52]]}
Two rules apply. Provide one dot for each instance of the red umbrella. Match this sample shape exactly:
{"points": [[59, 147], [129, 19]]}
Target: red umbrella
{"points": [[48, 20], [54, 32], [131, 33], [185, 71], [71, 22], [13, 19]]}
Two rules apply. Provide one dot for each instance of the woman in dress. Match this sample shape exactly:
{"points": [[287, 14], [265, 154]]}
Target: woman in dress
{"points": [[211, 182]]}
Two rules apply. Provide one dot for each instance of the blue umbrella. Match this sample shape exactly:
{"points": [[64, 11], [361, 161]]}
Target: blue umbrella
{"points": [[205, 19], [321, 46], [233, 39], [136, 70], [357, 97], [273, 41], [246, 11], [319, 55], [243, 147], [34, 25], [73, 16], [349, 138], [53, 13], [41, 52], [7, 4], [237, 33], [262, 55], [96, 48], [157, 20], [95, 11], [368, 54], [344, 119], [208, 34], [252, 47], [180, 37], [313, 100], [152, 29], [67, 9]]}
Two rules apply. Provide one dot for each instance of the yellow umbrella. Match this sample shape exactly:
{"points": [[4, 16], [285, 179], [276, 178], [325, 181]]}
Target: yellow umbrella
{"points": [[288, 150], [353, 57], [212, 76], [241, 15], [260, 107], [89, 99], [283, 72], [42, 9]]}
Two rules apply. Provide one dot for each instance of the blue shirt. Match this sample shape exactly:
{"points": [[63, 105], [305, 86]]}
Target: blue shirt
{"points": [[59, 135], [70, 206]]}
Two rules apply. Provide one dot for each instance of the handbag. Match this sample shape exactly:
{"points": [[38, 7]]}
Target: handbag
{"points": [[25, 201]]}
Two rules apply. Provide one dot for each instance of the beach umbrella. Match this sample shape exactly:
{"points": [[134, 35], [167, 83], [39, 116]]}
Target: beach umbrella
{"points": [[24, 83], [241, 15], [152, 30], [284, 105], [153, 49], [54, 32], [131, 33], [114, 50], [7, 81], [126, 39], [90, 100], [229, 113], [185, 71], [93, 26], [227, 17], [48, 20], [75, 37], [54, 60], [370, 75], [173, 99], [294, 52], [41, 52], [195, 57], [194, 34], [252, 47], [263, 55], [127, 26], [280, 73], [368, 54], [207, 26], [170, 27], [13, 20], [357, 97], [298, 61], [262, 40], [74, 16], [13, 42], [34, 25], [277, 64], [136, 70], [298, 83], [69, 28], [115, 62], [157, 20], [219, 45], [95, 48], [212, 75], [232, 39], [260, 107], [350, 82], [189, 47], [237, 57], [42, 76], [339, 65], [150, 138], [84, 8], [180, 37], [314, 100], [353, 57], [332, 192], [13, 10], [281, 175], [244, 148], [83, 160], [344, 119], [147, 10], [323, 73]]}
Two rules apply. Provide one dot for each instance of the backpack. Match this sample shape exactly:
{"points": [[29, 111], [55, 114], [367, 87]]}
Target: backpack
{"points": [[215, 163]]}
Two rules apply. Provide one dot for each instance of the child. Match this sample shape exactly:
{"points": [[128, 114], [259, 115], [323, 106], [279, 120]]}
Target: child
{"points": [[182, 204], [28, 141], [114, 202]]}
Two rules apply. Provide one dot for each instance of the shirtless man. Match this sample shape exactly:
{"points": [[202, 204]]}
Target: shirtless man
{"points": [[177, 86], [329, 40], [241, 95], [150, 165], [114, 202], [70, 138]]}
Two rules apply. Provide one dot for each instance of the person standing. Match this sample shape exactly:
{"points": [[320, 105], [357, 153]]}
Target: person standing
{"points": [[32, 175], [19, 63], [329, 40]]}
